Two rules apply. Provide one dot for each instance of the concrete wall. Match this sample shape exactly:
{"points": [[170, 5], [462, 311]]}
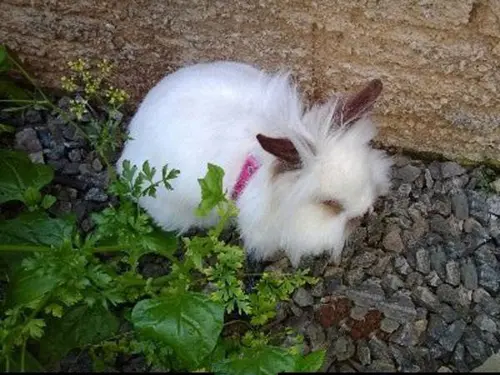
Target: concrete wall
{"points": [[439, 59]]}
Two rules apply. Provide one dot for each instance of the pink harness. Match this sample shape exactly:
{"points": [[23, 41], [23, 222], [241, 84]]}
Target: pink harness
{"points": [[249, 168]]}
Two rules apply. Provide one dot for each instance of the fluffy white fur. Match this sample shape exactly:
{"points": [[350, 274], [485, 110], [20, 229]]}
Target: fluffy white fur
{"points": [[212, 113]]}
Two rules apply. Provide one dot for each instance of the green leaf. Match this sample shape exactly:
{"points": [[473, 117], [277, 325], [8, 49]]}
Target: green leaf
{"points": [[36, 228], [264, 360], [311, 362], [3, 57], [19, 173], [27, 287], [7, 129], [47, 201], [81, 325], [212, 192], [11, 91], [189, 323]]}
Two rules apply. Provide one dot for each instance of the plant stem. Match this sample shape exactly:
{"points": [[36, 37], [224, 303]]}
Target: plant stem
{"points": [[29, 101], [23, 355], [108, 249]]}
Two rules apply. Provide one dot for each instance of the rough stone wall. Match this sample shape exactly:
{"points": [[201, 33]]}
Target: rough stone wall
{"points": [[437, 58]]}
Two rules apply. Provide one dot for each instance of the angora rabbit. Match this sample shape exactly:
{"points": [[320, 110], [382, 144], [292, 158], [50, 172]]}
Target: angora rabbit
{"points": [[298, 175]]}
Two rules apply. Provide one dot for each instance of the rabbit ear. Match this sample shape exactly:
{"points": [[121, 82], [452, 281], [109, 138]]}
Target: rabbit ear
{"points": [[282, 148], [355, 106]]}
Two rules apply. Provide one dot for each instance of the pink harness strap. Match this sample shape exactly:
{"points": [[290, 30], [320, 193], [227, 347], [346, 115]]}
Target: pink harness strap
{"points": [[249, 168]]}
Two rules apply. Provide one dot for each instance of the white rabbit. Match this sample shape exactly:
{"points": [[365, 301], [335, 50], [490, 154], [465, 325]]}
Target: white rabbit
{"points": [[299, 175]]}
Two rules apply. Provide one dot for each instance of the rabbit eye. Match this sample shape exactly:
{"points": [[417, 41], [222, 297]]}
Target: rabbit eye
{"points": [[334, 206]]}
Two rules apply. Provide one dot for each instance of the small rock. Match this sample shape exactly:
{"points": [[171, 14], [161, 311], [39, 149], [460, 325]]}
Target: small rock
{"points": [[458, 358], [96, 195], [485, 255], [75, 155], [303, 298], [392, 282], [399, 308], [402, 266], [433, 279], [475, 346], [429, 182], [494, 205], [392, 241], [379, 269], [441, 205], [460, 206], [318, 290], [438, 261], [469, 274], [33, 117], [355, 277], [344, 348], [71, 169], [365, 260], [414, 279], [452, 335], [27, 140], [436, 327], [408, 173], [439, 225], [444, 369], [423, 261], [381, 366], [367, 294], [488, 278], [316, 336], [485, 323], [379, 349], [447, 313], [97, 165], [404, 190], [37, 157], [426, 298], [451, 169], [477, 206], [85, 169], [358, 312], [496, 185], [363, 353], [389, 325], [453, 273], [87, 225]]}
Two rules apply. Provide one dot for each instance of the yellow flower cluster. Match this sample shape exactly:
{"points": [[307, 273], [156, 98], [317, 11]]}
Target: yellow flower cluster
{"points": [[78, 66], [68, 84], [78, 107], [116, 96], [105, 67]]}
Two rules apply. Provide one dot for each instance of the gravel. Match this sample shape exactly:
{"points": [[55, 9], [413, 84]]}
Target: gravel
{"points": [[421, 273]]}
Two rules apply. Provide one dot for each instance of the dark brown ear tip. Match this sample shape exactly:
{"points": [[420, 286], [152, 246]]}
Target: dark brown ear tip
{"points": [[376, 84]]}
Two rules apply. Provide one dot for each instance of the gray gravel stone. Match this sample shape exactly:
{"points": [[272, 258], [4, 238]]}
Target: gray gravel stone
{"points": [[399, 308], [433, 279], [364, 260], [27, 140], [485, 323], [429, 182], [97, 165], [423, 261], [469, 274], [318, 290], [453, 273], [441, 205], [406, 335], [475, 346], [494, 205], [488, 278], [379, 269], [447, 313], [451, 169], [426, 298], [355, 277], [382, 366], [96, 195], [452, 335], [458, 358], [303, 297], [438, 261], [388, 325], [316, 336], [37, 157], [367, 294], [414, 279], [402, 266], [460, 205], [408, 173], [344, 348], [379, 349], [363, 353], [75, 155], [392, 282], [392, 241]]}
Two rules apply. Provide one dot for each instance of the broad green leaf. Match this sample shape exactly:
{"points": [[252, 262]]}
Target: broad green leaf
{"points": [[257, 361], [18, 173], [189, 323], [311, 362], [212, 192], [160, 242], [80, 326], [28, 286], [36, 228]]}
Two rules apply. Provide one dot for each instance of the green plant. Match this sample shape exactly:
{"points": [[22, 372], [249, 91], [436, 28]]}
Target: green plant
{"points": [[62, 295]]}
